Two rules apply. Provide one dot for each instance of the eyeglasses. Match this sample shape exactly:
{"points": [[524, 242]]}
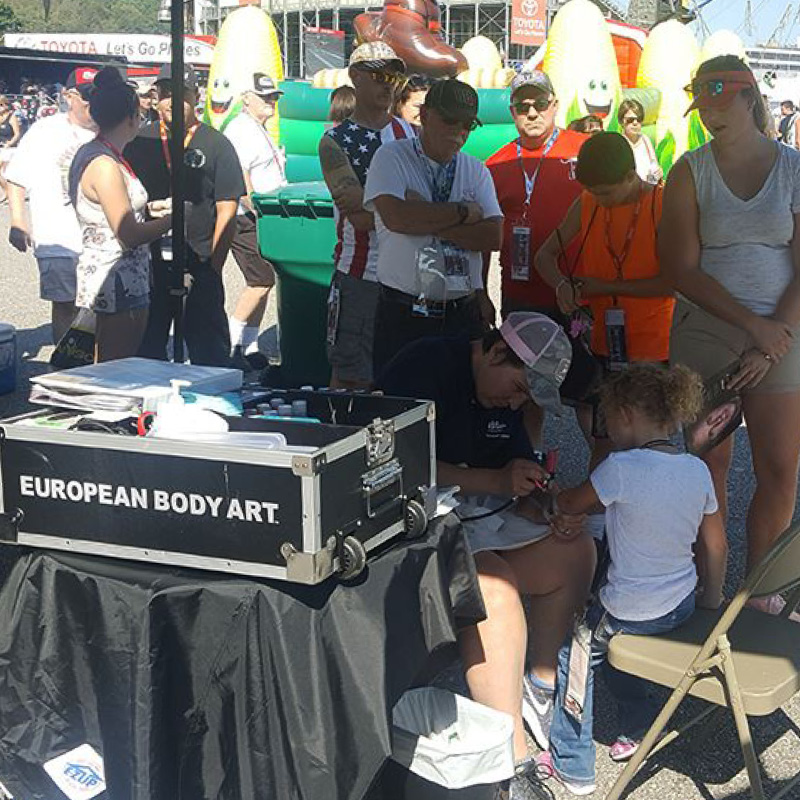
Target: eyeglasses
{"points": [[540, 104], [631, 120], [468, 125]]}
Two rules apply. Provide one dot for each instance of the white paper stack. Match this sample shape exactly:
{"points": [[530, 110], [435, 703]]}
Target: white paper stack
{"points": [[129, 384]]}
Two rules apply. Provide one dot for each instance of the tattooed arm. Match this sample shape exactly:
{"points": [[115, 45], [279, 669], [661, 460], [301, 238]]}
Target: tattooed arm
{"points": [[344, 186]]}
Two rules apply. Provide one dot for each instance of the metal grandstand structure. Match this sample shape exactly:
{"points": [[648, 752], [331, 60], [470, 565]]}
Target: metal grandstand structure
{"points": [[461, 20]]}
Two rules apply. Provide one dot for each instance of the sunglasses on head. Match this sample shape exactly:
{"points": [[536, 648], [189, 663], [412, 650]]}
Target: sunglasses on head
{"points": [[716, 87], [540, 104]]}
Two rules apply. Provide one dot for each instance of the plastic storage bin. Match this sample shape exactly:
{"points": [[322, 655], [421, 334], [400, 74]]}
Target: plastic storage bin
{"points": [[8, 358], [297, 235]]}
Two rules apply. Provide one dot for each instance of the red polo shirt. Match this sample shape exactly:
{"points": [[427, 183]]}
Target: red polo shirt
{"points": [[553, 193]]}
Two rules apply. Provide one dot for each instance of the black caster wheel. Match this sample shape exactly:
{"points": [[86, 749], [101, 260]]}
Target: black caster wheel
{"points": [[353, 558], [416, 519]]}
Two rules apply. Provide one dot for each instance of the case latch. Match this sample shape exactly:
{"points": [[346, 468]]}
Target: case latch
{"points": [[9, 525], [380, 442]]}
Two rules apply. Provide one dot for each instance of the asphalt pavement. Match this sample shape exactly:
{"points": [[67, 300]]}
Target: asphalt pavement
{"points": [[679, 773]]}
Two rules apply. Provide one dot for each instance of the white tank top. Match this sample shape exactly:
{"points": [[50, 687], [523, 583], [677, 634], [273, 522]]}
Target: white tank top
{"points": [[746, 244]]}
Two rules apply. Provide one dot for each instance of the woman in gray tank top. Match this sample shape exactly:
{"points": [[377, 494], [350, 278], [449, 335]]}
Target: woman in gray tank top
{"points": [[729, 241]]}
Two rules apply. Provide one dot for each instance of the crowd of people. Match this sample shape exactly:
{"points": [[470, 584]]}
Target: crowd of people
{"points": [[620, 296]]}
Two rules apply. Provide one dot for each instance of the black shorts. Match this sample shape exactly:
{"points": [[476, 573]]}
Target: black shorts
{"points": [[396, 326], [257, 271]]}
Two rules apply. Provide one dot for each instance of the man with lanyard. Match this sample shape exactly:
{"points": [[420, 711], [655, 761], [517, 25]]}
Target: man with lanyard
{"points": [[214, 184], [346, 154], [264, 167], [436, 210], [40, 167], [520, 547], [534, 176]]}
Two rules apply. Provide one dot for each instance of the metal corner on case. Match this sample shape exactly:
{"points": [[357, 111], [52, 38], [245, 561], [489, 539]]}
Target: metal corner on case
{"points": [[307, 466], [309, 568]]}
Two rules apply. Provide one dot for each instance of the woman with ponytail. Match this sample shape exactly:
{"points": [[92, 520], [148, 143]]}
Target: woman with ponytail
{"points": [[110, 202], [729, 242]]}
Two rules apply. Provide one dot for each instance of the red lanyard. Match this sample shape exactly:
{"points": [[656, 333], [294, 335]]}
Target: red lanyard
{"points": [[165, 141], [118, 155], [619, 258]]}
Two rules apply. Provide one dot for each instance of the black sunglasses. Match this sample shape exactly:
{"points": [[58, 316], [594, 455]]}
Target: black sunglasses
{"points": [[631, 120], [467, 124], [540, 104]]}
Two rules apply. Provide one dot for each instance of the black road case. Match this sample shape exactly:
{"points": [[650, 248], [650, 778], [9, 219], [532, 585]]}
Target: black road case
{"points": [[363, 476]]}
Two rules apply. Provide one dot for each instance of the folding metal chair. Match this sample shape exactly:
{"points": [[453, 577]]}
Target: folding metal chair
{"points": [[735, 657]]}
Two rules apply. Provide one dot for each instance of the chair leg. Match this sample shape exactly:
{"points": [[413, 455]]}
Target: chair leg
{"points": [[651, 737], [742, 725]]}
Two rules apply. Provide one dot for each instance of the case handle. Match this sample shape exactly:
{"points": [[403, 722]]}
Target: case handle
{"points": [[377, 487]]}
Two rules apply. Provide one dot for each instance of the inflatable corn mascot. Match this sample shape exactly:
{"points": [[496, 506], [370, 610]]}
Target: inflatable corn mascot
{"points": [[582, 64], [247, 43], [669, 60]]}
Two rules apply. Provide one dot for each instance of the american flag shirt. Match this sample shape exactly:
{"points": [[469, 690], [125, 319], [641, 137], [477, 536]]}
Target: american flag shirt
{"points": [[356, 251]]}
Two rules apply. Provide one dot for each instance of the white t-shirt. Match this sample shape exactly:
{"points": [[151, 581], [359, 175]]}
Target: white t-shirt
{"points": [[655, 502], [401, 166], [41, 165], [645, 157], [258, 154]]}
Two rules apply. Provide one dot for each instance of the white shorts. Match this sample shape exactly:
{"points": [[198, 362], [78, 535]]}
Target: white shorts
{"points": [[57, 278], [505, 530]]}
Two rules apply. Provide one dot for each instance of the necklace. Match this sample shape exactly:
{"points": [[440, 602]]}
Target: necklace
{"points": [[165, 141], [653, 443]]}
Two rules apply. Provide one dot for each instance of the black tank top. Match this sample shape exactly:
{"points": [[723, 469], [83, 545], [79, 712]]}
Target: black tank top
{"points": [[6, 131]]}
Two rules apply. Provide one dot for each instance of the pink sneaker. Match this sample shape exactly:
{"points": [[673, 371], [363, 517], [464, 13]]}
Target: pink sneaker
{"points": [[772, 604], [623, 748], [545, 764]]}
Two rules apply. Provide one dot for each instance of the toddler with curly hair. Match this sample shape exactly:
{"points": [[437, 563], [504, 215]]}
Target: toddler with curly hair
{"points": [[660, 508]]}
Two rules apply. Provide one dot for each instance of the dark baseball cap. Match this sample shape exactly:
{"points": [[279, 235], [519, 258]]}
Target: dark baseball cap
{"points": [[264, 86], [453, 98], [81, 79], [189, 76]]}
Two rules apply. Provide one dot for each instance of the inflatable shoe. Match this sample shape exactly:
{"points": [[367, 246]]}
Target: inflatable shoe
{"points": [[412, 29]]}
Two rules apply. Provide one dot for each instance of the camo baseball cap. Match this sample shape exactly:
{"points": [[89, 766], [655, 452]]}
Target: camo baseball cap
{"points": [[532, 77], [377, 56], [544, 348]]}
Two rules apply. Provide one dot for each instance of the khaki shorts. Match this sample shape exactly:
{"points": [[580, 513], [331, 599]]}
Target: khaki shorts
{"points": [[351, 352], [708, 345]]}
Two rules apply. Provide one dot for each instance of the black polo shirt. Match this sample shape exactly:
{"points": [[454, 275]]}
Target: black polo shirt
{"points": [[215, 175], [440, 369]]}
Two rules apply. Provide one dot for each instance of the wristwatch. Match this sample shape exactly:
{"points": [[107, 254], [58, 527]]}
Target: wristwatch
{"points": [[463, 212]]}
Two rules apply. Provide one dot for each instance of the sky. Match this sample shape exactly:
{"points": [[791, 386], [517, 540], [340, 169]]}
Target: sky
{"points": [[719, 14]]}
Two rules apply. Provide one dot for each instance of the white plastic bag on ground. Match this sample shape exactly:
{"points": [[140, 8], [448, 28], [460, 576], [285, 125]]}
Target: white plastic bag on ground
{"points": [[451, 740]]}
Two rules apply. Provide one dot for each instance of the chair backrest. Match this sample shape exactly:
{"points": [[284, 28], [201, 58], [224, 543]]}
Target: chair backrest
{"points": [[779, 570]]}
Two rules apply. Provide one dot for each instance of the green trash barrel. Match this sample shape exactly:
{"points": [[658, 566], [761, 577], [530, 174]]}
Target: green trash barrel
{"points": [[297, 235]]}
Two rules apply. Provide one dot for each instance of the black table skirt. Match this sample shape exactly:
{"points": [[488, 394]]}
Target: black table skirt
{"points": [[194, 685]]}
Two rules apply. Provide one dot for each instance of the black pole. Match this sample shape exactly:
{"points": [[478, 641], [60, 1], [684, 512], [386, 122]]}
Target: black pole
{"points": [[176, 148]]}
